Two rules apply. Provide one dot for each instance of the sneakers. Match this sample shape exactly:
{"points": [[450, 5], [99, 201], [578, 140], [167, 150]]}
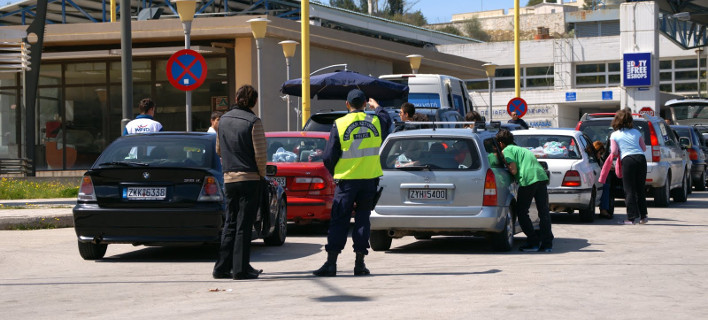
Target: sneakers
{"points": [[627, 222], [644, 220], [529, 247], [545, 248]]}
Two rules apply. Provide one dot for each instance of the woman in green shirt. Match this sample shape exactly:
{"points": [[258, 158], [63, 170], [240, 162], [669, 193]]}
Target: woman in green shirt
{"points": [[532, 179]]}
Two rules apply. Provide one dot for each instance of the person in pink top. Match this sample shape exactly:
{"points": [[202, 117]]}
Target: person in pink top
{"points": [[628, 147]]}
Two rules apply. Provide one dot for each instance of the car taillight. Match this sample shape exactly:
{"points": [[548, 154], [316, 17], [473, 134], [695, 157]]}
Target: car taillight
{"points": [[307, 184], [210, 190], [86, 191], [490, 189], [654, 141], [571, 179], [692, 154]]}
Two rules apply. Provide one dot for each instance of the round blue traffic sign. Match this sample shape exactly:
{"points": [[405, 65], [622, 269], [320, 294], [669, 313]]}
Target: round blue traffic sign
{"points": [[186, 70], [517, 105]]}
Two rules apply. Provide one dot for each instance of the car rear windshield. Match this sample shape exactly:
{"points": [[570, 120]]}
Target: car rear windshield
{"points": [[684, 111], [600, 130], [424, 100], [431, 153], [295, 149], [176, 151], [550, 146]]}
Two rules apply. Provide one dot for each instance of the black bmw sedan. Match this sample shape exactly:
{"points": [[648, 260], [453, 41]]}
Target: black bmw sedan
{"points": [[163, 189]]}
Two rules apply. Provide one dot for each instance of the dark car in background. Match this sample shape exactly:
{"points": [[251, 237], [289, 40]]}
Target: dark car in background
{"points": [[693, 141], [163, 189], [668, 167], [323, 121]]}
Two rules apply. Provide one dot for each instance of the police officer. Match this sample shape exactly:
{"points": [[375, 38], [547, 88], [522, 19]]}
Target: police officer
{"points": [[144, 122], [352, 157]]}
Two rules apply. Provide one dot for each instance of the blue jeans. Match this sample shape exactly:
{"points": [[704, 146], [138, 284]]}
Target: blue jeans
{"points": [[605, 199]]}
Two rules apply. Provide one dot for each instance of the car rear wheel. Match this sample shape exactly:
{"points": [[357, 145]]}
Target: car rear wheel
{"points": [[588, 214], [281, 227], [661, 194], [92, 251], [504, 240], [689, 182], [681, 194], [379, 240], [701, 185]]}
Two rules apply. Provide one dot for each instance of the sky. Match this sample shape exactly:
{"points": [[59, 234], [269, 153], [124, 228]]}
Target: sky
{"points": [[439, 11]]}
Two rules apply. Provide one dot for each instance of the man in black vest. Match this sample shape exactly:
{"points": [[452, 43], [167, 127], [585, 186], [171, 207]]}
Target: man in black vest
{"points": [[241, 144]]}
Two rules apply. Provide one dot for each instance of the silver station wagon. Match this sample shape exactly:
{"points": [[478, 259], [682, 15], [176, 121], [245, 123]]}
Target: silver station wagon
{"points": [[444, 182]]}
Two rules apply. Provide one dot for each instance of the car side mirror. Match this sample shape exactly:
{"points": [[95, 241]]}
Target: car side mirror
{"points": [[684, 142], [271, 170]]}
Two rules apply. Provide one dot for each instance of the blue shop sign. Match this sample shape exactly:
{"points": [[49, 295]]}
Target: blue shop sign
{"points": [[636, 71], [570, 96]]}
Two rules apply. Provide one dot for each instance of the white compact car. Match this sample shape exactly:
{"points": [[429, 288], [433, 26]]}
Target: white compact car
{"points": [[573, 167]]}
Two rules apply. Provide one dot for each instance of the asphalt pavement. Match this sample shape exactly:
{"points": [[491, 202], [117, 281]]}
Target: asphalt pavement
{"points": [[36, 213]]}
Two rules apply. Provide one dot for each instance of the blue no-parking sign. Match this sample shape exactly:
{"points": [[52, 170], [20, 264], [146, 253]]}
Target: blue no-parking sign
{"points": [[186, 70], [517, 105]]}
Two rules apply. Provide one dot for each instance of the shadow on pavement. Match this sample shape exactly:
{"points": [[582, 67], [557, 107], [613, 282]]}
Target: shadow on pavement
{"points": [[479, 245]]}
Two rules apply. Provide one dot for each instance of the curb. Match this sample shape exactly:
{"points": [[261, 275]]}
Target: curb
{"points": [[36, 222]]}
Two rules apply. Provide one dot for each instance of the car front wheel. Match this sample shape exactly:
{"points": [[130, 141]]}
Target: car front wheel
{"points": [[380, 241], [92, 251], [504, 240]]}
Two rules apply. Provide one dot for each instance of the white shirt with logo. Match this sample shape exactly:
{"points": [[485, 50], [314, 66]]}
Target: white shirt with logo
{"points": [[142, 124]]}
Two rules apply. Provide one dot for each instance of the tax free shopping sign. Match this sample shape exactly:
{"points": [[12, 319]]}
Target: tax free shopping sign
{"points": [[636, 70]]}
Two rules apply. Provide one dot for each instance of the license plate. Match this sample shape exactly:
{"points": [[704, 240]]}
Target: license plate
{"points": [[427, 194], [144, 193], [280, 180]]}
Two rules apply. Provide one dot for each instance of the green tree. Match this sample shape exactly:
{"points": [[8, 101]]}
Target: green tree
{"points": [[473, 29], [414, 18], [535, 2], [345, 4], [450, 29]]}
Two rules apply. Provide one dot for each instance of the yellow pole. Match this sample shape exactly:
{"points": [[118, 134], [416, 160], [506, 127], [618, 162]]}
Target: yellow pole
{"points": [[113, 10], [517, 52], [305, 31]]}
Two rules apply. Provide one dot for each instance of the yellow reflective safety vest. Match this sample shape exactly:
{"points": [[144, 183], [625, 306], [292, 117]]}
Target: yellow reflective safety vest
{"points": [[360, 138]]}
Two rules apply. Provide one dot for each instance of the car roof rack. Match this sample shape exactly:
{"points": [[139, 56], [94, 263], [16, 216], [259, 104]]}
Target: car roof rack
{"points": [[478, 125], [587, 116]]}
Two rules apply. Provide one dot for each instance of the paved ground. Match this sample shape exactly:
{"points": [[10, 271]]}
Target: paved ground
{"points": [[597, 271], [36, 213]]}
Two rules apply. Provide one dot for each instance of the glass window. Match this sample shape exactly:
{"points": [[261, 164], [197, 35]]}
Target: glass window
{"points": [[85, 73], [590, 68], [295, 149], [665, 76], [477, 85], [504, 84], [685, 87], [494, 155], [539, 71], [504, 72], [613, 79], [436, 153], [8, 79], [549, 146], [686, 75], [685, 63], [141, 71], [9, 130], [588, 80], [539, 82], [50, 74], [161, 152], [613, 67], [424, 100], [665, 64], [665, 87]]}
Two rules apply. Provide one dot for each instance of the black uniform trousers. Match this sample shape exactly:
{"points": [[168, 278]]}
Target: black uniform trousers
{"points": [[539, 192], [361, 191], [634, 175], [242, 199]]}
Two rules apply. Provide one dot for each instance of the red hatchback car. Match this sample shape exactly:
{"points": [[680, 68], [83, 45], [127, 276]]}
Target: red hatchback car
{"points": [[308, 185]]}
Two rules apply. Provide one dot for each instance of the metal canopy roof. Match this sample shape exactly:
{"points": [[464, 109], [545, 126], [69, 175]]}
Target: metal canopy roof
{"points": [[86, 11], [684, 22]]}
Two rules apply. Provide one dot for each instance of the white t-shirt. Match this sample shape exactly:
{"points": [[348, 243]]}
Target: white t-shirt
{"points": [[142, 124]]}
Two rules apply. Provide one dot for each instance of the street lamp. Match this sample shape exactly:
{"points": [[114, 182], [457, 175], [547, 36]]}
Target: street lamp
{"points": [[288, 52], [186, 9], [258, 28], [489, 69], [414, 60]]}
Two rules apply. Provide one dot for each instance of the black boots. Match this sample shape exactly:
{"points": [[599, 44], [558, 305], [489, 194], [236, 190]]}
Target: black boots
{"points": [[329, 268], [359, 266]]}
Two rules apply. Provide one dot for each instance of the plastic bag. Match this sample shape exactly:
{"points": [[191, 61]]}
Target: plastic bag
{"points": [[281, 155]]}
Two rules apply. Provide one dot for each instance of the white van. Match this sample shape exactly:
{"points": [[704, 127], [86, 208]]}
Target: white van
{"points": [[434, 91]]}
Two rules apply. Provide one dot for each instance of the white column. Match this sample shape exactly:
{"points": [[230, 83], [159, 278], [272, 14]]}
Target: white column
{"points": [[639, 32]]}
